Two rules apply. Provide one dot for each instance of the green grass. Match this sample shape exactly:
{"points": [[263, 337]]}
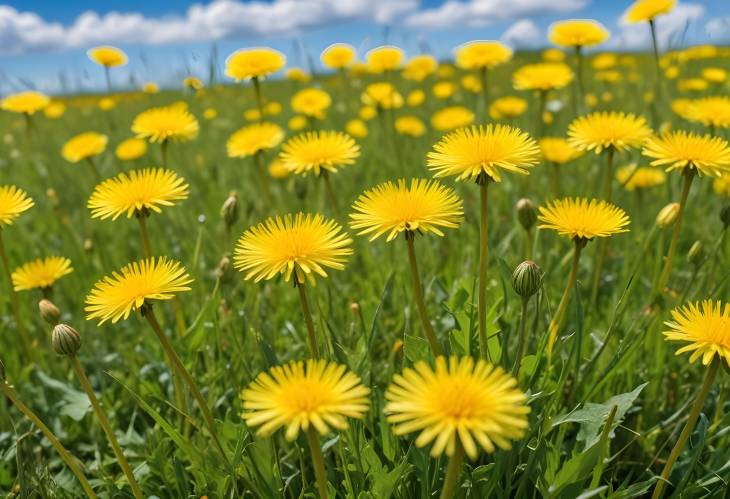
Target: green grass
{"points": [[235, 329]]}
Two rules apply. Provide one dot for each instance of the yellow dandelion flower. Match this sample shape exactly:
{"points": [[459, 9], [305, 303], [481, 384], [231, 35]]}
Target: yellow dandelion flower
{"points": [[29, 102], [543, 76], [468, 152], [577, 33], [254, 63], [312, 102], [604, 130], [443, 89], [136, 284], [150, 87], [471, 83], [476, 403], [416, 97], [558, 150], [357, 128], [553, 55], [679, 150], [54, 110], [714, 75], [137, 192], [161, 124], [581, 218], [410, 125], [320, 150], [508, 107], [338, 56], [131, 149], [273, 108], [107, 103], [604, 61], [297, 123], [367, 113], [608, 76], [253, 139], [633, 178], [452, 117], [83, 146], [482, 54], [13, 202], [419, 67], [107, 56], [648, 10], [298, 75], [278, 170], [705, 326], [382, 95], [193, 82], [384, 58], [710, 111], [300, 245], [41, 273], [692, 85], [295, 396], [423, 206], [252, 114], [210, 113]]}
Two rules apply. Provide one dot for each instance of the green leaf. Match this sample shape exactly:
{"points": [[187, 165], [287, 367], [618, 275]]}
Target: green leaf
{"points": [[416, 348], [75, 404], [577, 468]]}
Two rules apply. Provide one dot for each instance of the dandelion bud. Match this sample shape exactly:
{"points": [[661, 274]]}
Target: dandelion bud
{"points": [[526, 279], [667, 216], [397, 346], [49, 311], [88, 245], [695, 253], [222, 271], [229, 210], [354, 307], [725, 216], [66, 340], [526, 213]]}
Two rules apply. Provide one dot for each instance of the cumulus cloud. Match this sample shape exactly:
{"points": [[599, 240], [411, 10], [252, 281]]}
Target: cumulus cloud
{"points": [[478, 13], [22, 32], [669, 27], [522, 34], [718, 29]]}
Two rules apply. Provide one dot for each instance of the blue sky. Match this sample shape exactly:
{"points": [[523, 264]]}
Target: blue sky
{"points": [[43, 43]]}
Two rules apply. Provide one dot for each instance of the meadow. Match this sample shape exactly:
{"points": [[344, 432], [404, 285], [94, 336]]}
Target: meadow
{"points": [[599, 399]]}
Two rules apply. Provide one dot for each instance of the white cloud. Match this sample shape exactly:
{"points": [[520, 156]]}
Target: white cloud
{"points": [[22, 32], [523, 34], [477, 13], [718, 29], [670, 28]]}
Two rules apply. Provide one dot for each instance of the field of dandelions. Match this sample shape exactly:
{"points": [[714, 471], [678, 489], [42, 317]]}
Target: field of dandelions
{"points": [[502, 275]]}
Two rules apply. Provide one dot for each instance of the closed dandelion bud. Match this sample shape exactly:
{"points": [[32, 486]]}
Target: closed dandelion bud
{"points": [[223, 271], [354, 307], [526, 213], [667, 215], [88, 245], [66, 340], [725, 216], [229, 210], [694, 255], [49, 311], [526, 279]]}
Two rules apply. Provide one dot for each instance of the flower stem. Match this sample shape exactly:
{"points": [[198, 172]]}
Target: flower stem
{"points": [[331, 195], [263, 176], [521, 340], [483, 256], [65, 455], [311, 337], [603, 243], [557, 321], [149, 314], [146, 247], [688, 427], [485, 92], [577, 99], [317, 461], [667, 270], [540, 111], [453, 471], [163, 151], [418, 291], [106, 426], [94, 169], [259, 99], [655, 46], [15, 306]]}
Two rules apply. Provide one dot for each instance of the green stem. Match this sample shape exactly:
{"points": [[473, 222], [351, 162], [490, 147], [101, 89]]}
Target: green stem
{"points": [[317, 461], [579, 70], [65, 455], [263, 176], [259, 98], [485, 92], [521, 340], [106, 426], [163, 152], [603, 244], [667, 270], [15, 305], [94, 169], [688, 427], [146, 247], [483, 257], [540, 111], [311, 337], [331, 195], [557, 321], [149, 314], [658, 81], [418, 291], [453, 471]]}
